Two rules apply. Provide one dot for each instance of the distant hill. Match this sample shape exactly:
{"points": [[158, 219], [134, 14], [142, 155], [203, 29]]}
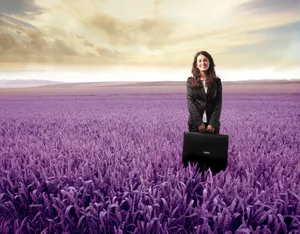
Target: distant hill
{"points": [[26, 83], [183, 83], [101, 88], [18, 83]]}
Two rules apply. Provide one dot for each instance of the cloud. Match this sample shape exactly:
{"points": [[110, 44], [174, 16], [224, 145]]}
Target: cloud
{"points": [[11, 50], [35, 48], [102, 32], [16, 6], [154, 33], [272, 50], [286, 30], [7, 43], [269, 6], [24, 41], [149, 32]]}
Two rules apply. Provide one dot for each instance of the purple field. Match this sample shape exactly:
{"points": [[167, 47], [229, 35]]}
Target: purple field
{"points": [[111, 163]]}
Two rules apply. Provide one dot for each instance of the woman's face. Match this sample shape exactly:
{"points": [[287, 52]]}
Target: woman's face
{"points": [[202, 63]]}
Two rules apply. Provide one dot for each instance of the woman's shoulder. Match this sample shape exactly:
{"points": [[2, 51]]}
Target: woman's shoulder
{"points": [[218, 79], [190, 78], [191, 81]]}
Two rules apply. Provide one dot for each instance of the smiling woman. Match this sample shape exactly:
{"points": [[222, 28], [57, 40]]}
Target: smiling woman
{"points": [[204, 95]]}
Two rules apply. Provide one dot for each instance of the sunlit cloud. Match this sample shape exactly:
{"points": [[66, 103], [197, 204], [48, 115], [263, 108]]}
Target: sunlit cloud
{"points": [[152, 34]]}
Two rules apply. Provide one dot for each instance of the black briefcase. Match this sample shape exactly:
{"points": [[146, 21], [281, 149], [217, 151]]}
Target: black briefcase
{"points": [[206, 150]]}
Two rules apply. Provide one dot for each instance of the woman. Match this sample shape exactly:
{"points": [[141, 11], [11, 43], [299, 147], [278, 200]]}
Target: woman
{"points": [[204, 95]]}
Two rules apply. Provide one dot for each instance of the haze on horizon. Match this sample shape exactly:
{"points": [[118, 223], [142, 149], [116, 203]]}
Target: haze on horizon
{"points": [[148, 40]]}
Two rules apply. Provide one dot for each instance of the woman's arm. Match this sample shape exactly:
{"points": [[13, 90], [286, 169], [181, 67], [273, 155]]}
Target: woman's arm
{"points": [[191, 105], [215, 118]]}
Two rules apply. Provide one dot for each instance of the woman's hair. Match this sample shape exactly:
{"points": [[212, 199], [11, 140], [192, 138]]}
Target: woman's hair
{"points": [[210, 73]]}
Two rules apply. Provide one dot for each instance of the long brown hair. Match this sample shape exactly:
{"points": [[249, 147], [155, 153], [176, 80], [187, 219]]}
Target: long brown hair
{"points": [[210, 73]]}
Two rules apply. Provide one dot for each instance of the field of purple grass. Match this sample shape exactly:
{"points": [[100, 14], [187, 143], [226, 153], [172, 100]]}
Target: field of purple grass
{"points": [[112, 164]]}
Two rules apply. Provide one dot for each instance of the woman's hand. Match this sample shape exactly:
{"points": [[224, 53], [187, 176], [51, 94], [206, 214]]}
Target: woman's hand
{"points": [[201, 127], [210, 128]]}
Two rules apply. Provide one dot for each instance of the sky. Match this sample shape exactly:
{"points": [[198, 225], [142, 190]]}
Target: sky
{"points": [[99, 40]]}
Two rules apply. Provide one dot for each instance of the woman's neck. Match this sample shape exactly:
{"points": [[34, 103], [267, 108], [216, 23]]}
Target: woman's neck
{"points": [[203, 76]]}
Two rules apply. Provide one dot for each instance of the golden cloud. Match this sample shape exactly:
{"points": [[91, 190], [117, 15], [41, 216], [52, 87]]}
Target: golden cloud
{"points": [[158, 33]]}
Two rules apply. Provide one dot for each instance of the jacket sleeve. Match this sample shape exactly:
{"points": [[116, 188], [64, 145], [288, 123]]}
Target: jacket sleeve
{"points": [[191, 104], [215, 118]]}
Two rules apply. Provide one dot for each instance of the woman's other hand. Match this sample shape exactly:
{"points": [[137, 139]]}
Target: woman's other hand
{"points": [[202, 128], [210, 128]]}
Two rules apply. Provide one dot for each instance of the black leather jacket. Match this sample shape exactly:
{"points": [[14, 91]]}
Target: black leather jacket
{"points": [[198, 101]]}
